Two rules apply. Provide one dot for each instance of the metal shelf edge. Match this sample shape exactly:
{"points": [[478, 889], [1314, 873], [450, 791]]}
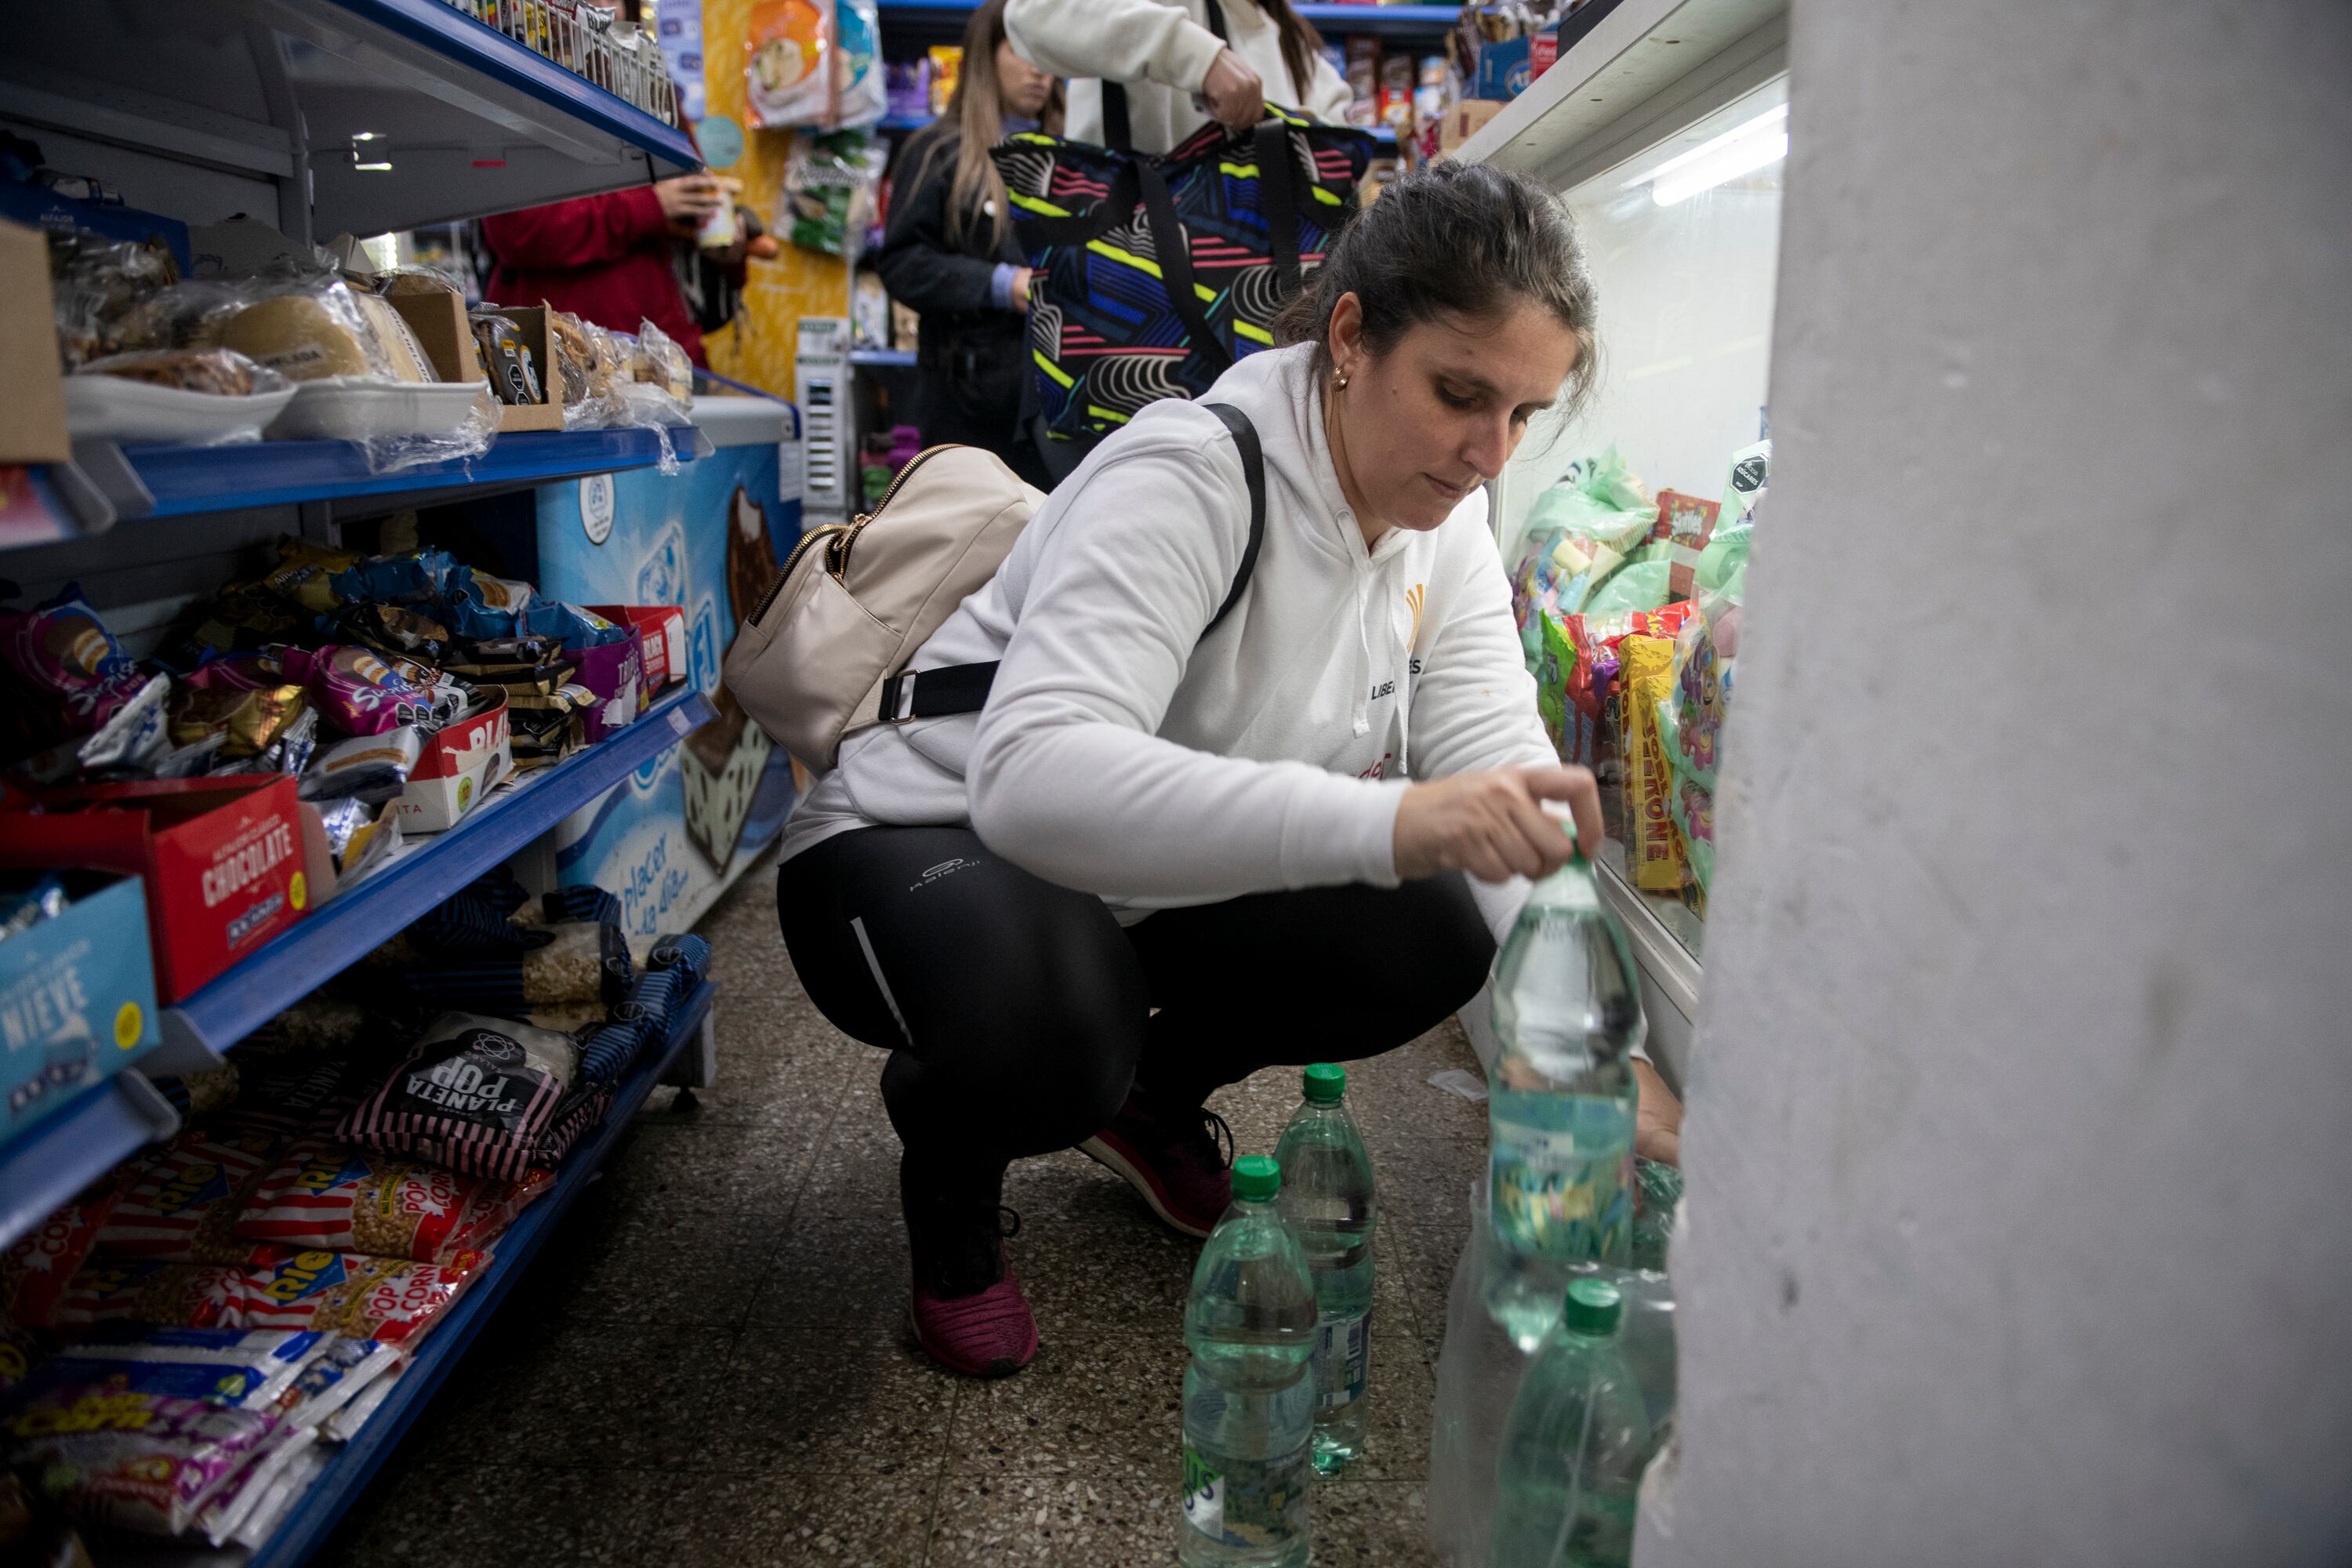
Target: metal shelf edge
{"points": [[71, 1148], [348, 1474], [451, 34], [350, 925]]}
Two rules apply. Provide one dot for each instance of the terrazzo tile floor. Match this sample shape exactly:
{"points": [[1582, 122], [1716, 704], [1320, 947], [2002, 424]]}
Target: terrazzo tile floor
{"points": [[710, 1362]]}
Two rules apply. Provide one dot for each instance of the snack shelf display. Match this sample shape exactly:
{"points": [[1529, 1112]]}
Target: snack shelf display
{"points": [[327, 116], [347, 1475], [111, 1121], [419, 876], [1627, 529], [176, 482]]}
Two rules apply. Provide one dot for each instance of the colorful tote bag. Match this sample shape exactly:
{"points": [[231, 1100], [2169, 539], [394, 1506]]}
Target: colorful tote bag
{"points": [[1155, 273]]}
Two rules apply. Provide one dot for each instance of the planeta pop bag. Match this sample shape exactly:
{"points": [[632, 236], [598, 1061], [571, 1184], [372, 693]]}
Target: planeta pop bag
{"points": [[1155, 273], [824, 654]]}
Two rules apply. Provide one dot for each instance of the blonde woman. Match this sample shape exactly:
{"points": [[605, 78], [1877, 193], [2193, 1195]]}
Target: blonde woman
{"points": [[949, 253]]}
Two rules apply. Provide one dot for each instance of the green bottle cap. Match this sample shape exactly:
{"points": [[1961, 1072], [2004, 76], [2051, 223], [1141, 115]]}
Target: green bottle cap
{"points": [[1325, 1082], [1593, 1307], [1257, 1177]]}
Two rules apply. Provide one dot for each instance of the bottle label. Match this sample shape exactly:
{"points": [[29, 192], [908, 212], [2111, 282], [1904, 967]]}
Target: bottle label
{"points": [[1264, 1507], [1549, 1196], [1343, 1362]]}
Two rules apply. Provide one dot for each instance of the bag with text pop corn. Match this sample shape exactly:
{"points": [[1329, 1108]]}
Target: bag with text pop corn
{"points": [[324, 1195], [473, 1094], [276, 1288]]}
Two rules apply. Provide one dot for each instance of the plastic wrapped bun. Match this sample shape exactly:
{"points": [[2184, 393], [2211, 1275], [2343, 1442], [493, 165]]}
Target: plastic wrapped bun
{"points": [[222, 372]]}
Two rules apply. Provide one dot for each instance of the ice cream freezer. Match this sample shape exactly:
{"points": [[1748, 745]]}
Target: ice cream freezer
{"points": [[708, 539], [1626, 527]]}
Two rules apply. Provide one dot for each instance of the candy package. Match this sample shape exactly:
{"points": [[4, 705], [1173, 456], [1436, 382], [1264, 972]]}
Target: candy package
{"points": [[39, 1265], [368, 768], [326, 1194], [69, 674], [248, 720], [481, 605], [244, 1369], [416, 577], [1654, 848], [353, 689], [274, 1288], [473, 1094], [1686, 523], [144, 1463]]}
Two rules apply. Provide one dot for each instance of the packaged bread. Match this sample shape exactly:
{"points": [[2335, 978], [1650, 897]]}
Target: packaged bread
{"points": [[224, 372], [328, 330]]}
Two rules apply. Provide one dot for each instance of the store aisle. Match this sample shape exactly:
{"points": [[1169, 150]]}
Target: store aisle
{"points": [[709, 1363]]}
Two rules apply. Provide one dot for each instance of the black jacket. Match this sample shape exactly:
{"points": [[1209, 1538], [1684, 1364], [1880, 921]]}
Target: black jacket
{"points": [[948, 284]]}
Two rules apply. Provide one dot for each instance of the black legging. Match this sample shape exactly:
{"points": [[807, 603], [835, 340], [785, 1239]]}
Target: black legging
{"points": [[1017, 1013]]}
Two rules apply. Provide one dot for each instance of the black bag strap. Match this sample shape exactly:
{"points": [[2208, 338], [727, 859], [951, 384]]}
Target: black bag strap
{"points": [[963, 688], [1174, 255], [1117, 136], [1278, 190]]}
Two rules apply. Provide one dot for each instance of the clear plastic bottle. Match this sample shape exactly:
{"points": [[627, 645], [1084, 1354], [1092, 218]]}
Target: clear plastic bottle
{"points": [[1249, 1401], [1568, 1013], [1328, 1194], [1573, 1450]]}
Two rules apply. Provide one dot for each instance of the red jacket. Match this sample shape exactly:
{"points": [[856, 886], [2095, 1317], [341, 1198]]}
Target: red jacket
{"points": [[606, 259]]}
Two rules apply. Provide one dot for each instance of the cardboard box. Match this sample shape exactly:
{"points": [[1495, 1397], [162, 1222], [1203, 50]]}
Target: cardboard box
{"points": [[663, 627], [1505, 69], [77, 1002], [33, 415], [440, 323], [1464, 120], [460, 766], [230, 862]]}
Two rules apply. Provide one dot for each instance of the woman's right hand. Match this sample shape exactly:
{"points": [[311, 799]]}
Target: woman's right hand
{"points": [[1236, 97], [1492, 824], [689, 198]]}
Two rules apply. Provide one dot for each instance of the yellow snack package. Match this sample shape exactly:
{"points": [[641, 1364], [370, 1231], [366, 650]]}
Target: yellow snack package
{"points": [[1647, 666]]}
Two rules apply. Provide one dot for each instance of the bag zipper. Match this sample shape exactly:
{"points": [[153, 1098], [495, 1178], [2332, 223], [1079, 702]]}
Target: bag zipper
{"points": [[848, 534]]}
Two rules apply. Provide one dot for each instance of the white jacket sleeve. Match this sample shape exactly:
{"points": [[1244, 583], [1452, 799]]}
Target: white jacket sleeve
{"points": [[1119, 40], [1067, 777], [1327, 96], [1474, 705]]}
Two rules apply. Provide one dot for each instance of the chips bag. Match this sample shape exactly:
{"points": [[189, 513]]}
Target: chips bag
{"points": [[145, 1463], [473, 1094], [324, 1195], [274, 1288], [180, 1203]]}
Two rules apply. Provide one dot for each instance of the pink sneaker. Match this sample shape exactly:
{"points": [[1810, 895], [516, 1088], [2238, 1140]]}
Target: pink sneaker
{"points": [[1178, 1160], [968, 1312], [991, 1334]]}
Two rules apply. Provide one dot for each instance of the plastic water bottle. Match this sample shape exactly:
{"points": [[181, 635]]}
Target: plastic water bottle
{"points": [[1328, 1195], [1568, 1013], [1573, 1450], [1249, 1400]]}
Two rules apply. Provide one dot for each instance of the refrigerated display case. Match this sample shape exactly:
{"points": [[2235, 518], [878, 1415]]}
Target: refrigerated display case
{"points": [[1626, 524]]}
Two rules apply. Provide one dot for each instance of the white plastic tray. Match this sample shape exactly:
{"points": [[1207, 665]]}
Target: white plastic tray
{"points": [[364, 408], [140, 413]]}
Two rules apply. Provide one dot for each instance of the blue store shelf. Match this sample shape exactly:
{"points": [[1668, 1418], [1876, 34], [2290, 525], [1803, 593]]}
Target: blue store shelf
{"points": [[423, 872], [347, 1475], [188, 479], [71, 1148], [1416, 21]]}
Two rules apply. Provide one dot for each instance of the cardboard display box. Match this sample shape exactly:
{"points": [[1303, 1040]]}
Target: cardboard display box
{"points": [[459, 767], [440, 323], [77, 1002], [230, 862], [33, 414]]}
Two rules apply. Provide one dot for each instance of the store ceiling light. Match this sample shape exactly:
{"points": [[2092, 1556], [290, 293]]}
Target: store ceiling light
{"points": [[1741, 150]]}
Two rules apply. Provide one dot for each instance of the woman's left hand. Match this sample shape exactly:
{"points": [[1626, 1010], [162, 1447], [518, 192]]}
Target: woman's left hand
{"points": [[1657, 1118]]}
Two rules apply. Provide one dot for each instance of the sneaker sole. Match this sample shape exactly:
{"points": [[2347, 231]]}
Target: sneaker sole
{"points": [[1001, 1367], [1109, 1157]]}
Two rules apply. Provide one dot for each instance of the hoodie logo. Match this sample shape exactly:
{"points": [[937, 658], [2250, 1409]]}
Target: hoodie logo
{"points": [[1415, 596]]}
